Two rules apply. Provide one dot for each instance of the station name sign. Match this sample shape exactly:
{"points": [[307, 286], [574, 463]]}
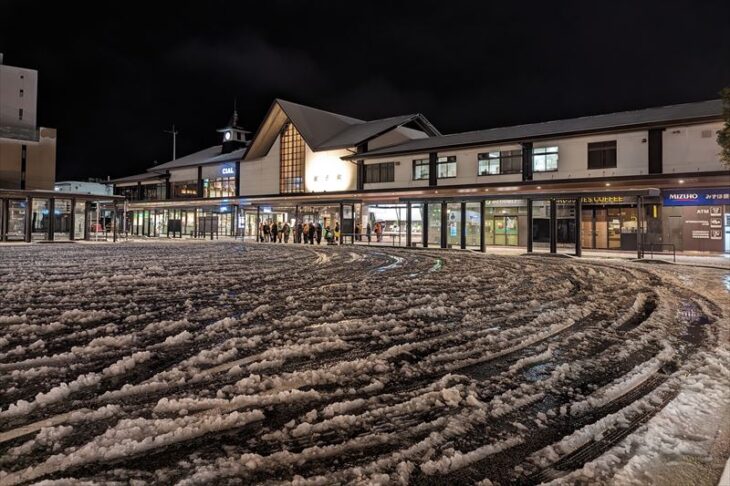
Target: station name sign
{"points": [[696, 197]]}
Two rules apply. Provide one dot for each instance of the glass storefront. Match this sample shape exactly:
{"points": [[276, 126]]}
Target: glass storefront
{"points": [[473, 224], [61, 219], [417, 224], [79, 220], [39, 219], [16, 219], [434, 224], [505, 222], [453, 222], [219, 187], [609, 228]]}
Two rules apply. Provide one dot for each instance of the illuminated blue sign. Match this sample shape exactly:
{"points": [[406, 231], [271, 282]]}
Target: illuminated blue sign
{"points": [[696, 197]]}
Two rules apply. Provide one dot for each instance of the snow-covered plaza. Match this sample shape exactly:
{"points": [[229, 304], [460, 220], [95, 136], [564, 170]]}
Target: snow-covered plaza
{"points": [[222, 362]]}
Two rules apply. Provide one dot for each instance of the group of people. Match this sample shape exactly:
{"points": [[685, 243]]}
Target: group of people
{"points": [[312, 231], [304, 232]]}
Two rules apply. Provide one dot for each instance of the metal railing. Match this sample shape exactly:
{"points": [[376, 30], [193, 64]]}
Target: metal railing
{"points": [[650, 247]]}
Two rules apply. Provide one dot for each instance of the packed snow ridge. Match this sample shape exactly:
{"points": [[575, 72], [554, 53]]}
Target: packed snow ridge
{"points": [[194, 363]]}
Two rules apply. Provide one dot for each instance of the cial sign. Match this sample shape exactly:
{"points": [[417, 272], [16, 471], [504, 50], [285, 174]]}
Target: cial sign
{"points": [[228, 170], [697, 197]]}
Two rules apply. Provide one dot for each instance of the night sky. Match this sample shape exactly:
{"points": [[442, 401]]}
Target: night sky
{"points": [[114, 76]]}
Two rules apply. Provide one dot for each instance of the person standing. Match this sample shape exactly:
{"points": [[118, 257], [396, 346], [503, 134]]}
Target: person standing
{"points": [[368, 233], [267, 232], [312, 230], [298, 232], [337, 233], [274, 232], [286, 231], [279, 232], [358, 232], [318, 229]]}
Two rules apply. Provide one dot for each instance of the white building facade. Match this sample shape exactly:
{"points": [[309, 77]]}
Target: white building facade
{"points": [[604, 182]]}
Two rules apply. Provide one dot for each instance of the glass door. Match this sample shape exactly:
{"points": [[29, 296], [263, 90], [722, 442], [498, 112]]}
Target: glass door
{"points": [[587, 229], [614, 228], [600, 229]]}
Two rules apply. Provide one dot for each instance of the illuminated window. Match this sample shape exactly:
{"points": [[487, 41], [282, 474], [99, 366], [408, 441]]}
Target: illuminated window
{"points": [[503, 162], [185, 189], [420, 169], [545, 159], [291, 174], [446, 167], [219, 187]]}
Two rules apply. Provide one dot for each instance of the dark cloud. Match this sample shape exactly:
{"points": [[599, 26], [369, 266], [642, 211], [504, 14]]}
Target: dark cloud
{"points": [[113, 76]]}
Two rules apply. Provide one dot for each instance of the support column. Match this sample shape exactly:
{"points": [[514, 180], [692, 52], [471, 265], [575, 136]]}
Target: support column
{"points": [[51, 218], [4, 203], [409, 224], [463, 226], [234, 220], [72, 221], [578, 215], [238, 179], [433, 169], [139, 191], [553, 226], [640, 229], [28, 218], [200, 181], [444, 224], [114, 222], [424, 225], [482, 239], [529, 226], [342, 222], [258, 223], [87, 210]]}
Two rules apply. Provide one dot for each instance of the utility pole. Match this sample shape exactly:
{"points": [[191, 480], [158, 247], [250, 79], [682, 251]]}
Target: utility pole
{"points": [[174, 133]]}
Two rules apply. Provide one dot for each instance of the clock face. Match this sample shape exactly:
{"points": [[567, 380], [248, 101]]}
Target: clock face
{"points": [[227, 136]]}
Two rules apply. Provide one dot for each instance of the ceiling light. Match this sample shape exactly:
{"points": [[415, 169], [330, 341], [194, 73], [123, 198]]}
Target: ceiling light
{"points": [[608, 184], [681, 181]]}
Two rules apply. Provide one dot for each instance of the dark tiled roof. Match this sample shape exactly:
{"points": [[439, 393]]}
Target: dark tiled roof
{"points": [[211, 155], [703, 110]]}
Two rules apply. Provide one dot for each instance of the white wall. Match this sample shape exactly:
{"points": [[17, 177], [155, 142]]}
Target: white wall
{"points": [[687, 150], [467, 166], [632, 154], [326, 172], [12, 80], [403, 172], [261, 176]]}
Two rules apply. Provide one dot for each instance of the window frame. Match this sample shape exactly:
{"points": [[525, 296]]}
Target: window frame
{"points": [[545, 152], [446, 160], [425, 174], [379, 173], [499, 156], [601, 150]]}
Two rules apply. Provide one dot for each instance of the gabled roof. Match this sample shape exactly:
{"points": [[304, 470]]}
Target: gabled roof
{"points": [[210, 155], [324, 130], [645, 118], [362, 132]]}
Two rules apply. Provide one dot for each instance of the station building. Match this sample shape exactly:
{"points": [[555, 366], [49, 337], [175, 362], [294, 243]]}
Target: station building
{"points": [[649, 178]]}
